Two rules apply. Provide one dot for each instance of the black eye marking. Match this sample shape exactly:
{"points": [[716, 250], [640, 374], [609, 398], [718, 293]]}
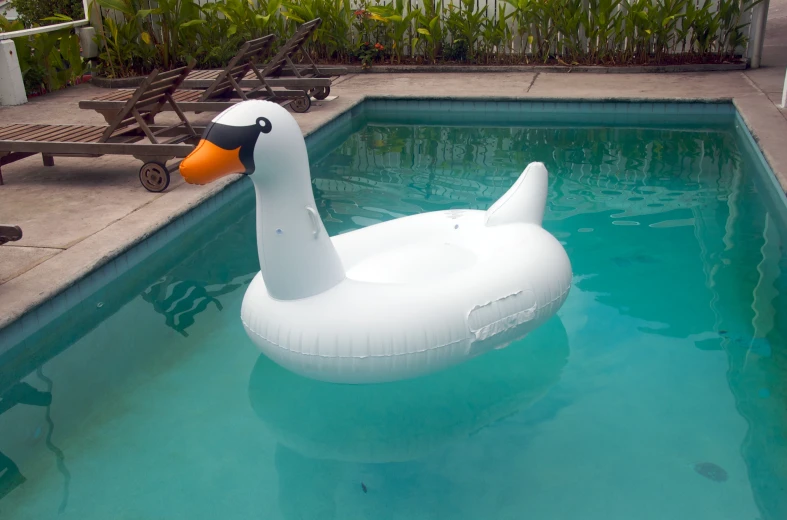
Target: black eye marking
{"points": [[264, 124]]}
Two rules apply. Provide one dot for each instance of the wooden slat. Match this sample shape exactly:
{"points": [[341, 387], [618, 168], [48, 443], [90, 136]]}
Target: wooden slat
{"points": [[170, 74], [56, 133], [203, 74], [154, 93], [10, 129], [161, 84], [256, 47], [52, 133], [123, 94], [149, 104], [186, 95], [128, 107], [87, 134], [112, 96], [70, 134], [28, 130], [238, 68], [49, 133]]}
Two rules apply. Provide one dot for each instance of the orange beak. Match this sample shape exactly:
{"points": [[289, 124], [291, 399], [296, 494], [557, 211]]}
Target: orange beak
{"points": [[209, 162]]}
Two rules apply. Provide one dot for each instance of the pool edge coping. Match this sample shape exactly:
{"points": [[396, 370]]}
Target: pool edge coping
{"points": [[93, 275]]}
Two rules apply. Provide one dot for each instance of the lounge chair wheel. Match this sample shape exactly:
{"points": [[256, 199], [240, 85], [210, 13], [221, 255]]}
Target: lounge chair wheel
{"points": [[301, 104], [154, 176], [320, 93]]}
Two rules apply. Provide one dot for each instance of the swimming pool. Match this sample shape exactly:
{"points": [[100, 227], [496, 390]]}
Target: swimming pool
{"points": [[658, 392]]}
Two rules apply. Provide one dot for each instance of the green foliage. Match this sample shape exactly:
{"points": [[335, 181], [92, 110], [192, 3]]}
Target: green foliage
{"points": [[34, 12], [48, 61], [145, 34], [465, 23]]}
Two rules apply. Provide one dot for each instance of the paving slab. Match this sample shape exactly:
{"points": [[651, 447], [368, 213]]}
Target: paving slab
{"points": [[441, 84], [15, 260], [708, 85]]}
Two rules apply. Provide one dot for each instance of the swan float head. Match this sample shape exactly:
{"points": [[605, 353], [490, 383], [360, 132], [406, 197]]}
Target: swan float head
{"points": [[247, 138], [263, 140]]}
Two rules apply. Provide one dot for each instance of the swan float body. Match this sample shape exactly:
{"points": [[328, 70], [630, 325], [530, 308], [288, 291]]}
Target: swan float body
{"points": [[390, 301]]}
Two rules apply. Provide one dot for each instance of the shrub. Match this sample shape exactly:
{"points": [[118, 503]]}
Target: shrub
{"points": [[33, 12]]}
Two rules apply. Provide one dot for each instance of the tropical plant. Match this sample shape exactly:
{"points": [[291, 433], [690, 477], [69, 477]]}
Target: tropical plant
{"points": [[398, 24], [142, 34], [333, 38], [496, 34], [465, 23], [730, 14], [40, 12], [430, 30], [603, 26], [48, 61]]}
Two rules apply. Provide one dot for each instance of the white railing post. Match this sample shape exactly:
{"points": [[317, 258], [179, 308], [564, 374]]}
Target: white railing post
{"points": [[12, 88], [784, 92], [759, 19]]}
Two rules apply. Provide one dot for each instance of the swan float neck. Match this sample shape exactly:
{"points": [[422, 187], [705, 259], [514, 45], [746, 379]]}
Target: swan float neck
{"points": [[297, 257]]}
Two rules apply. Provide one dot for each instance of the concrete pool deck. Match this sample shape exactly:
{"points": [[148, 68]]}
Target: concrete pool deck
{"points": [[83, 212]]}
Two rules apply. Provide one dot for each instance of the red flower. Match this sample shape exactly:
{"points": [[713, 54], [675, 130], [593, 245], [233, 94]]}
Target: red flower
{"points": [[378, 46]]}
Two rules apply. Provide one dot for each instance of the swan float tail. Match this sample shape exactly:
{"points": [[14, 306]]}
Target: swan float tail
{"points": [[524, 201]]}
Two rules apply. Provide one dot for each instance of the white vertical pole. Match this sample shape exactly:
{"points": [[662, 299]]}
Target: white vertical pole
{"points": [[784, 92], [12, 88], [759, 19]]}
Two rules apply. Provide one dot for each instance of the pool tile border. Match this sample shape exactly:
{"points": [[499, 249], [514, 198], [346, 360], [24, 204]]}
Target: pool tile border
{"points": [[39, 317]]}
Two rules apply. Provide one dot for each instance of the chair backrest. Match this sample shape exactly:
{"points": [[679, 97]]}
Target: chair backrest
{"points": [[150, 97], [250, 53], [290, 47]]}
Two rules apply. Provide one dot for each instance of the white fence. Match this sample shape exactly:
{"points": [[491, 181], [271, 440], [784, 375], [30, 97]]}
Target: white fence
{"points": [[754, 30]]}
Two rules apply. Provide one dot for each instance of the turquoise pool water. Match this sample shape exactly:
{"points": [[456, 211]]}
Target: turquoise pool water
{"points": [[658, 392]]}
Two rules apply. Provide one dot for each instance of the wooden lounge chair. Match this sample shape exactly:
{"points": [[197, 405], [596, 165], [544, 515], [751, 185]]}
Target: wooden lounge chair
{"points": [[223, 92], [280, 71], [130, 132]]}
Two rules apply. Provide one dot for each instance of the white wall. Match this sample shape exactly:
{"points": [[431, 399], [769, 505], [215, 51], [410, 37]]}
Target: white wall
{"points": [[6, 10]]}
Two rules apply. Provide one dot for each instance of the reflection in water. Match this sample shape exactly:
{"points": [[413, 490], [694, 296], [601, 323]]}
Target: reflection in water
{"points": [[320, 425], [408, 419], [59, 456], [25, 394], [661, 225], [197, 281], [638, 172], [181, 300]]}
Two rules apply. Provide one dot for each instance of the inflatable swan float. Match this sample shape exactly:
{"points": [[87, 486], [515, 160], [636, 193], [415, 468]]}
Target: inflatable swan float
{"points": [[390, 301]]}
